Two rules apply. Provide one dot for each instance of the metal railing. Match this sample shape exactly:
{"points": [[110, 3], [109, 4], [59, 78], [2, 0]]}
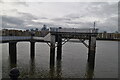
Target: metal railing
{"points": [[75, 30], [14, 38]]}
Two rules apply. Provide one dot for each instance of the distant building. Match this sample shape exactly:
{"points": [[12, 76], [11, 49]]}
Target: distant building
{"points": [[6, 32], [44, 31]]}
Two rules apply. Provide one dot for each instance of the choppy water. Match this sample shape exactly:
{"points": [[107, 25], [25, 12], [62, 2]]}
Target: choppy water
{"points": [[73, 64]]}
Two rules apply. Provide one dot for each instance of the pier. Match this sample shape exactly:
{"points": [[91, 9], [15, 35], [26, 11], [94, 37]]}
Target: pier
{"points": [[55, 39]]}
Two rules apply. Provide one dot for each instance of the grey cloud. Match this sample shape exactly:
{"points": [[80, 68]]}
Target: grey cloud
{"points": [[21, 3], [104, 10], [14, 10], [111, 8], [27, 16], [73, 16], [16, 3], [119, 8], [1, 1], [98, 3], [16, 22], [119, 16], [97, 9], [12, 20], [85, 24], [39, 24], [21, 22], [110, 25], [61, 19], [24, 15], [43, 18], [73, 22]]}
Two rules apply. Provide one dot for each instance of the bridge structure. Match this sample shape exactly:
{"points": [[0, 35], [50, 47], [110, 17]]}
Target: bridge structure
{"points": [[55, 39]]}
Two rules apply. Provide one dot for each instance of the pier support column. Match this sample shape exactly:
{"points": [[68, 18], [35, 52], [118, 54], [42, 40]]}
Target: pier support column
{"points": [[32, 67], [52, 50], [92, 49], [58, 69], [13, 52], [32, 49], [59, 47], [90, 70]]}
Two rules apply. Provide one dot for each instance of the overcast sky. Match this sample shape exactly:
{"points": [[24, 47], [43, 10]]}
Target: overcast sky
{"points": [[26, 15]]}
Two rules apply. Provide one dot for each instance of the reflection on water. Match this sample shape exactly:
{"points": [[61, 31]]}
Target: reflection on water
{"points": [[32, 67], [75, 63], [52, 71], [59, 68], [56, 72], [90, 70], [12, 63]]}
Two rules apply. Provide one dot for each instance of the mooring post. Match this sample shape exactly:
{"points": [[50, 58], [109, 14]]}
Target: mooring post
{"points": [[92, 49], [13, 52], [59, 47], [32, 49], [52, 50]]}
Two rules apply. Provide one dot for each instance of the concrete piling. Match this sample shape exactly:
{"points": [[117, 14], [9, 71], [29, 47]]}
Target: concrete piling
{"points": [[58, 68], [52, 56], [52, 50], [13, 52], [32, 49], [90, 70], [92, 49], [59, 47]]}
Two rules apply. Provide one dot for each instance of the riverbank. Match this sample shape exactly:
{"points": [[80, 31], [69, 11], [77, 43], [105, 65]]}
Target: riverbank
{"points": [[109, 39]]}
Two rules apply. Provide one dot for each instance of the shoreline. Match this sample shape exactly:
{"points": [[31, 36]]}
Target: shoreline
{"points": [[108, 39]]}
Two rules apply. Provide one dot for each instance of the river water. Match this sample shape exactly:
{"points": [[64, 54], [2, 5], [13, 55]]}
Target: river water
{"points": [[73, 64]]}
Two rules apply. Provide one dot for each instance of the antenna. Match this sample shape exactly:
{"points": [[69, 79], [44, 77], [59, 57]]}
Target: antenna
{"points": [[94, 24]]}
